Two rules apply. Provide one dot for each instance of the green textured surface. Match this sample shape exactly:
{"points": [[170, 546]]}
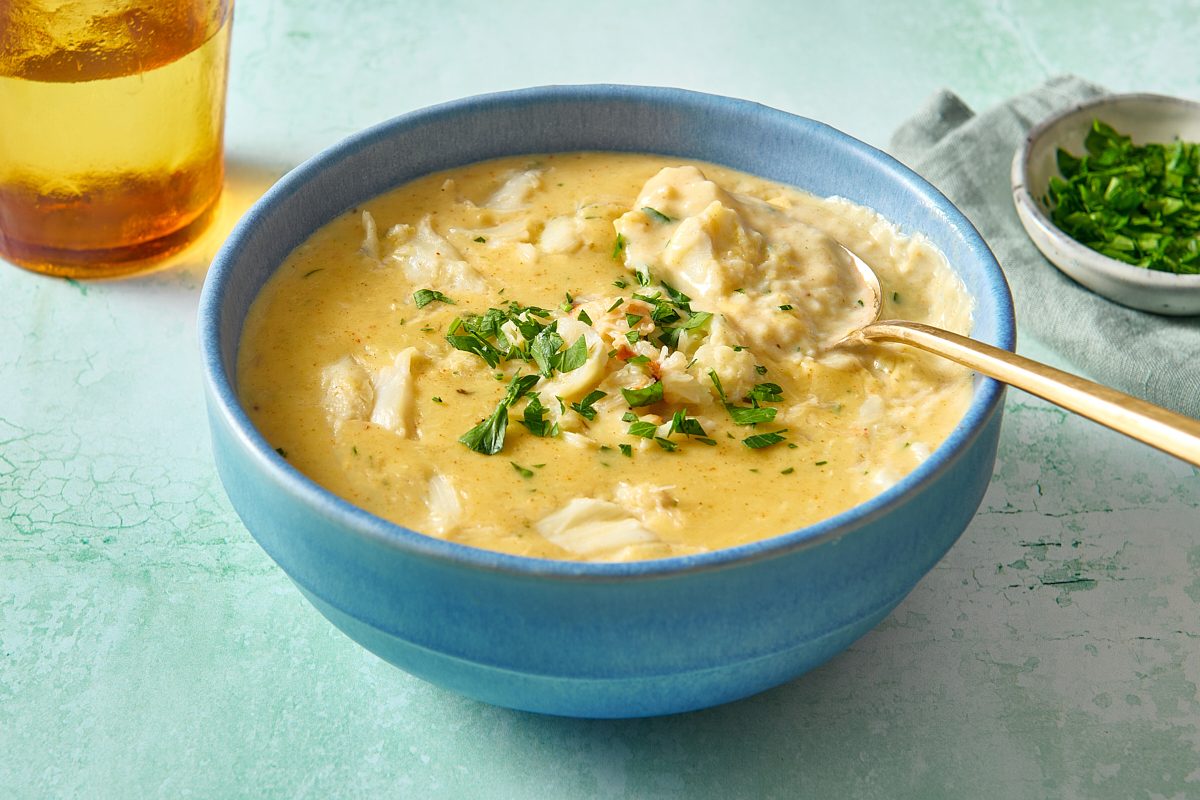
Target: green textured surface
{"points": [[148, 647]]}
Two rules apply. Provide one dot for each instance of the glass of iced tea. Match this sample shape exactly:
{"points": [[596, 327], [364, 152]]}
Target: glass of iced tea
{"points": [[111, 127]]}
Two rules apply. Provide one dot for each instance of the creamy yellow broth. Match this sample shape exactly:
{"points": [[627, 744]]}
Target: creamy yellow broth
{"points": [[363, 392]]}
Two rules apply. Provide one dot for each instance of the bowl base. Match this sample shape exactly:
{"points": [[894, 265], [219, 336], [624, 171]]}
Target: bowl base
{"points": [[601, 698]]}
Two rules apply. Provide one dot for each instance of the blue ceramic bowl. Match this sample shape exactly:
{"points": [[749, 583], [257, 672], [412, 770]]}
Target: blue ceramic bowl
{"points": [[598, 640]]}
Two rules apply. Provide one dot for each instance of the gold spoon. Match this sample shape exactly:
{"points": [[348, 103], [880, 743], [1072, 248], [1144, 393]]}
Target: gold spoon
{"points": [[1166, 430]]}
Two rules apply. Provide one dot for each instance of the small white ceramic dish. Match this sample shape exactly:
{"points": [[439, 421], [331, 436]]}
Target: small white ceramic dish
{"points": [[1145, 117]]}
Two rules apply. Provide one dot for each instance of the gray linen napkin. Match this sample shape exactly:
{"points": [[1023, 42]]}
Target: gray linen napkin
{"points": [[968, 157]]}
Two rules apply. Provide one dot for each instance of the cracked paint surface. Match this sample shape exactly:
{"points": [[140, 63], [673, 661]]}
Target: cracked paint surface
{"points": [[148, 647]]}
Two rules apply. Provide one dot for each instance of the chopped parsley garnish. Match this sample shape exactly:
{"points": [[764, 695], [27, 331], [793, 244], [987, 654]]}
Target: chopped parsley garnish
{"points": [[750, 416], [488, 436], [656, 215], [480, 239], [544, 349], [767, 393], [471, 343], [633, 319], [629, 416], [616, 303], [787, 307], [787, 471], [646, 430], [696, 320], [666, 444], [632, 337], [688, 426], [568, 302], [535, 419], [677, 297], [618, 247], [739, 414], [584, 318], [1138, 205], [642, 273], [626, 450], [648, 395], [586, 406], [437, 399], [620, 284], [637, 361], [760, 369], [423, 297], [820, 463], [761, 440], [525, 473], [574, 356]]}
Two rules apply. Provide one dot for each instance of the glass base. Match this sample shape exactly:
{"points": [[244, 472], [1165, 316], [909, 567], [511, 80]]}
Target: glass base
{"points": [[109, 263]]}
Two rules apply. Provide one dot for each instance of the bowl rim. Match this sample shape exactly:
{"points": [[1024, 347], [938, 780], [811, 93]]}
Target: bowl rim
{"points": [[1083, 255], [223, 399]]}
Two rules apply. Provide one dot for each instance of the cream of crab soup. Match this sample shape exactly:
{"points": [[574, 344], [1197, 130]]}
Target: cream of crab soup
{"points": [[601, 357]]}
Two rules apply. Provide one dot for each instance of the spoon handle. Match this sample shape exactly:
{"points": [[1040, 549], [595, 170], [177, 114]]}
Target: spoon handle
{"points": [[1170, 432]]}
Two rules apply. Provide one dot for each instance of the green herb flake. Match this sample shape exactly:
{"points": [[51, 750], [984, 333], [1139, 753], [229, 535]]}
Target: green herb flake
{"points": [[618, 247], [616, 303], [480, 239], [820, 463], [534, 419], [646, 430], [423, 297], [656, 215], [632, 337], [760, 369], [574, 356], [787, 471], [637, 361], [544, 349], [487, 437], [586, 407], [626, 450], [648, 395], [620, 284], [525, 473], [688, 426], [281, 451], [741, 415], [437, 399], [786, 307], [666, 444], [761, 440], [767, 393], [642, 273], [471, 343], [896, 298], [584, 317]]}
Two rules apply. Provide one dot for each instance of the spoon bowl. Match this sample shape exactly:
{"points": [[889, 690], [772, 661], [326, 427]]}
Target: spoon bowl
{"points": [[1173, 433]]}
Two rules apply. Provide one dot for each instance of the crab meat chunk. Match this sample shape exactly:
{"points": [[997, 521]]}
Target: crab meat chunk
{"points": [[395, 400]]}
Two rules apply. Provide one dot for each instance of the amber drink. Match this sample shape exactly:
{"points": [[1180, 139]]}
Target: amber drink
{"points": [[111, 122]]}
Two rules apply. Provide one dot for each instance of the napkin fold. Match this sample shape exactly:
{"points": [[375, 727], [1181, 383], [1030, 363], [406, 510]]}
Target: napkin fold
{"points": [[968, 156]]}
